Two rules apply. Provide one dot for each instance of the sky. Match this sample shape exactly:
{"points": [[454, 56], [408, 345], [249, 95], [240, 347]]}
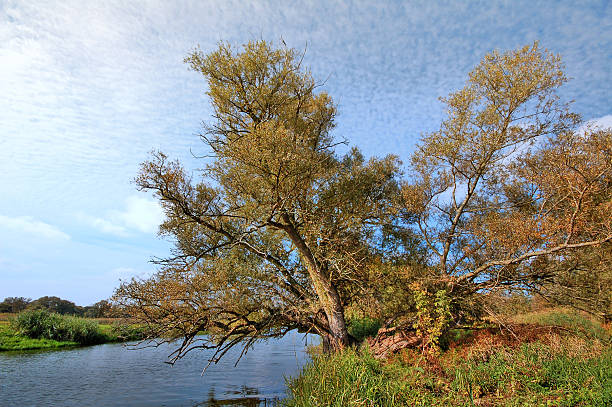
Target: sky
{"points": [[89, 88]]}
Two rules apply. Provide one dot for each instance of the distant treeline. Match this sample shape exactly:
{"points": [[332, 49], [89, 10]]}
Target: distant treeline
{"points": [[55, 304]]}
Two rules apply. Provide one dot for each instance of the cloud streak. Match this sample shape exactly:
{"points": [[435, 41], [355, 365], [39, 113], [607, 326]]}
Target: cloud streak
{"points": [[139, 215], [31, 226]]}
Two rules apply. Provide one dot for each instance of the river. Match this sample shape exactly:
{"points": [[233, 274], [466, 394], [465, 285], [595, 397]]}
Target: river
{"points": [[113, 375]]}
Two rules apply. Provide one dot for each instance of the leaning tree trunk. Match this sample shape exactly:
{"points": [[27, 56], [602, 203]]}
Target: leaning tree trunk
{"points": [[338, 337]]}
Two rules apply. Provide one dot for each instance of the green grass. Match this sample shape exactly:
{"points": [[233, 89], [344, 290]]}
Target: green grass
{"points": [[531, 376], [10, 340], [121, 332], [558, 368], [41, 324], [569, 319], [42, 330], [349, 379]]}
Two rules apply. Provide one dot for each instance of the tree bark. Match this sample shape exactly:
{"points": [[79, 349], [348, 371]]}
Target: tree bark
{"points": [[338, 337]]}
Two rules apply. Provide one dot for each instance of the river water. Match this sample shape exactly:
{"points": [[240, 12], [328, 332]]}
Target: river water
{"points": [[113, 375]]}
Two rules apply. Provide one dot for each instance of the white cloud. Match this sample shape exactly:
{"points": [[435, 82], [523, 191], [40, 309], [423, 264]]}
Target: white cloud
{"points": [[140, 215], [29, 225], [107, 226], [604, 122], [122, 273]]}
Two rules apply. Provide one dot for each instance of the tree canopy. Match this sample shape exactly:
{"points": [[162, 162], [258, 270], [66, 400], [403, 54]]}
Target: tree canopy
{"points": [[508, 179], [14, 304], [275, 232], [278, 231], [56, 304]]}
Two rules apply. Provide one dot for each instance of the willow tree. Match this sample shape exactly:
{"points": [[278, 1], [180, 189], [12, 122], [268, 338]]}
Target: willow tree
{"points": [[577, 167], [508, 180], [275, 232]]}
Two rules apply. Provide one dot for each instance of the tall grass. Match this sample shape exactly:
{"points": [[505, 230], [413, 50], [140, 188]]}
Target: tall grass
{"points": [[571, 367], [40, 324], [347, 379], [572, 320], [533, 375]]}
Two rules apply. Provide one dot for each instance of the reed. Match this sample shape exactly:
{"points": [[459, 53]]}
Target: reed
{"points": [[40, 324]]}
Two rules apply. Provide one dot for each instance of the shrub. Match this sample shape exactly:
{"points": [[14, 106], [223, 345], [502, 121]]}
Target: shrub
{"points": [[41, 324], [432, 316], [361, 328]]}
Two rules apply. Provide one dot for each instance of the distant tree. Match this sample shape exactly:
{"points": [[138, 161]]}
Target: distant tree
{"points": [[56, 304], [278, 231], [508, 181], [100, 309], [14, 304]]}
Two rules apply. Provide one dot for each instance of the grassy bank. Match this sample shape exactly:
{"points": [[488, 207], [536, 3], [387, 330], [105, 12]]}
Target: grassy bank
{"points": [[11, 340], [535, 365], [32, 330]]}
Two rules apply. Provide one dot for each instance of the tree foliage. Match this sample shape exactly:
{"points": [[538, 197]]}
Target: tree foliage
{"points": [[508, 180], [14, 304], [276, 231], [55, 304]]}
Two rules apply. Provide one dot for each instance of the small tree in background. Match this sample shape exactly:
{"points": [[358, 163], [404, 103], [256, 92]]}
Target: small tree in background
{"points": [[14, 304], [100, 309], [56, 304]]}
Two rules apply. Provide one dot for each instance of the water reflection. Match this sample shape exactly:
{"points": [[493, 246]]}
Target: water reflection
{"points": [[111, 375], [244, 402], [249, 399]]}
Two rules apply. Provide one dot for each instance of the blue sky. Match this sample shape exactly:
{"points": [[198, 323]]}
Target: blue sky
{"points": [[89, 88]]}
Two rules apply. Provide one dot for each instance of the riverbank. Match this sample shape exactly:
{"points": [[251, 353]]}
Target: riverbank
{"points": [[555, 359], [11, 339]]}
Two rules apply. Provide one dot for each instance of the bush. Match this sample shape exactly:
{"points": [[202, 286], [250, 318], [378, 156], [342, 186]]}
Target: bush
{"points": [[41, 324], [128, 332], [361, 328]]}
